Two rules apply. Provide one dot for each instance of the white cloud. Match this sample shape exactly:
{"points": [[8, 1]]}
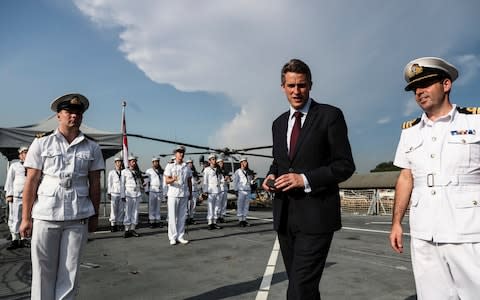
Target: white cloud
{"points": [[469, 65], [384, 120], [356, 50]]}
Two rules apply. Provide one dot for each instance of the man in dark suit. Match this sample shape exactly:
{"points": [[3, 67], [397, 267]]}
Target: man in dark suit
{"points": [[311, 155]]}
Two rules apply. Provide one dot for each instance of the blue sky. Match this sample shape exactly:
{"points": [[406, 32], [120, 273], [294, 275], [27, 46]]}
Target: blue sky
{"points": [[207, 72]]}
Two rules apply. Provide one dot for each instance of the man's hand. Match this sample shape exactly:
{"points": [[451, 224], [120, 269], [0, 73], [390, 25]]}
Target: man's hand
{"points": [[9, 198], [265, 184], [396, 238], [26, 228], [289, 181]]}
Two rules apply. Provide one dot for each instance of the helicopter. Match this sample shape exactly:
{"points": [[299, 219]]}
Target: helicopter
{"points": [[231, 158]]}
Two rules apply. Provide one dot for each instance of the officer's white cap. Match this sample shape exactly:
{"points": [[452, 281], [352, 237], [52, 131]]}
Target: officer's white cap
{"points": [[132, 157], [179, 148], [155, 158], [212, 156], [189, 161], [220, 160], [70, 101], [118, 159], [425, 68], [243, 159], [22, 149]]}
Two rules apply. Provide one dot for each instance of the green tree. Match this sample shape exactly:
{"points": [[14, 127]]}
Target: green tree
{"points": [[385, 166]]}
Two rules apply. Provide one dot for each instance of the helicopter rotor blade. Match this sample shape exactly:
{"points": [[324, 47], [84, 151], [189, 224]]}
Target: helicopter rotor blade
{"points": [[252, 148], [170, 142]]}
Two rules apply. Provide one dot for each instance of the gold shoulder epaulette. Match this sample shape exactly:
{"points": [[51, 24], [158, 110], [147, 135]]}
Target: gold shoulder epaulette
{"points": [[43, 134], [408, 124], [469, 110]]}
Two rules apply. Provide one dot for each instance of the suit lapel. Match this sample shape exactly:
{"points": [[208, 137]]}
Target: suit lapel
{"points": [[283, 134]]}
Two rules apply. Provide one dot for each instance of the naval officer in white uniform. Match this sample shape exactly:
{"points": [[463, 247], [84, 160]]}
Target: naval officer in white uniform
{"points": [[61, 199], [14, 183], [178, 177], [114, 192], [439, 154], [211, 186], [154, 191], [131, 192]]}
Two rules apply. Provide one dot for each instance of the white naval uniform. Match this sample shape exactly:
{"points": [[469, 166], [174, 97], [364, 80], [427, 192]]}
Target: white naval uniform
{"points": [[14, 187], [192, 204], [241, 184], [444, 158], [155, 197], [114, 189], [131, 192], [223, 197], [177, 199], [211, 186], [61, 211]]}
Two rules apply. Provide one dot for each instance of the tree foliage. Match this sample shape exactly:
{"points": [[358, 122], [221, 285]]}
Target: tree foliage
{"points": [[385, 167]]}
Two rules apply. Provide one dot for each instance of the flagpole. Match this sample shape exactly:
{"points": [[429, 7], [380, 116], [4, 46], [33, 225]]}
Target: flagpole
{"points": [[124, 136]]}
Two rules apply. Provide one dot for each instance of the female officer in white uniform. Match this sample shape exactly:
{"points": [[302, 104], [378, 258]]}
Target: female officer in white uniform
{"points": [[241, 183], [65, 166], [131, 191], [211, 186]]}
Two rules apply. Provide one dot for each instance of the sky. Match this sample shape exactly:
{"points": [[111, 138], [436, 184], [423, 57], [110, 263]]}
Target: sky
{"points": [[208, 72]]}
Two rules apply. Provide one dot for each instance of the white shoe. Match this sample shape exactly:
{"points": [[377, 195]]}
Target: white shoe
{"points": [[182, 241], [173, 242]]}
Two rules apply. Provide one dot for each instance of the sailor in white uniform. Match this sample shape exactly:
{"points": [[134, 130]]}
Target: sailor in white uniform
{"points": [[114, 192], [211, 186], [224, 184], [154, 191], [178, 177], [131, 191], [61, 199], [13, 193], [192, 203], [242, 179]]}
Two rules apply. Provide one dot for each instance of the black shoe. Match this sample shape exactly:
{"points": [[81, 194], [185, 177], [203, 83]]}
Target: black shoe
{"points": [[160, 224], [192, 221], [241, 224], [127, 234], [221, 220], [25, 243], [215, 226], [8, 237], [114, 228], [152, 225], [246, 224], [134, 233], [15, 244], [211, 226]]}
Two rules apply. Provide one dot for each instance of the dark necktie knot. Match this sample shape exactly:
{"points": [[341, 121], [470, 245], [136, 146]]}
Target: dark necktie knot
{"points": [[298, 115]]}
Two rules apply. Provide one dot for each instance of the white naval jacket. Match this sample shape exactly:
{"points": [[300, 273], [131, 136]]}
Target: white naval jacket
{"points": [[130, 185], [241, 181], [155, 181], [63, 193], [178, 188], [211, 180], [15, 180], [114, 186], [445, 162]]}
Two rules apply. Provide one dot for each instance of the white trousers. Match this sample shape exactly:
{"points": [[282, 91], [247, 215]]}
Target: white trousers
{"points": [[56, 250], [15, 217], [192, 205], [223, 204], [445, 271], [131, 212], [212, 207], [117, 209], [154, 200], [177, 211], [243, 203]]}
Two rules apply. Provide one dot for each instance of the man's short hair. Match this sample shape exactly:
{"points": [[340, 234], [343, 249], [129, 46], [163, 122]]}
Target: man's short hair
{"points": [[296, 66]]}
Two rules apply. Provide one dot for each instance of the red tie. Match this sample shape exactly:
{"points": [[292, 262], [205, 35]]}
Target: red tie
{"points": [[295, 132]]}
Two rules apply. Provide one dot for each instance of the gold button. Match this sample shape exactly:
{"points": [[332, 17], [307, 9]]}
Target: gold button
{"points": [[475, 202], [432, 155]]}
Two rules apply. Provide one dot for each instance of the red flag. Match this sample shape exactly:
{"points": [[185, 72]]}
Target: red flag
{"points": [[124, 136]]}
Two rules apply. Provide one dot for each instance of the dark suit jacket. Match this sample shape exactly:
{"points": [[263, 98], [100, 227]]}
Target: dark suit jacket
{"points": [[324, 155]]}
